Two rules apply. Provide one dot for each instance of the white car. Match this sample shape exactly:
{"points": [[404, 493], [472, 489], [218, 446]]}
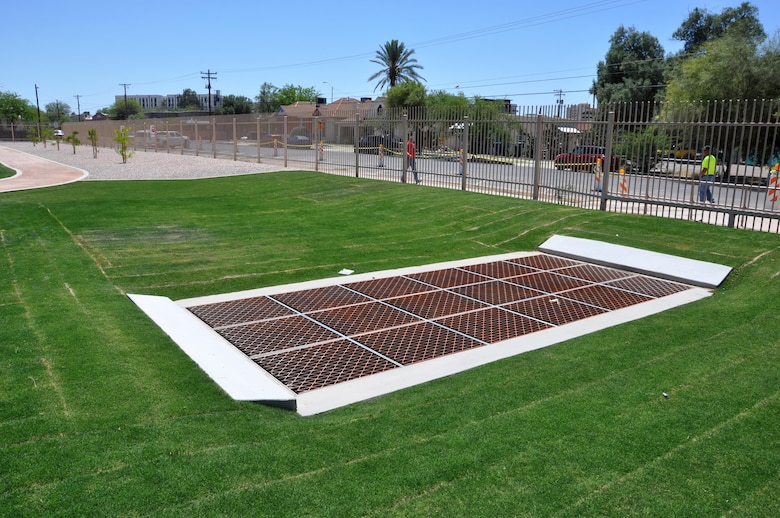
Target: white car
{"points": [[58, 133]]}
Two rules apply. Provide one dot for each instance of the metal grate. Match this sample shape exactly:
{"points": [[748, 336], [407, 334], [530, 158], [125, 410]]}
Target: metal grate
{"points": [[493, 325], [313, 338], [242, 310], [310, 368], [412, 344]]}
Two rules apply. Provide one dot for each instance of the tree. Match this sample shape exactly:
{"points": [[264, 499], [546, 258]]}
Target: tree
{"points": [[58, 111], [290, 94], [406, 95], [12, 106], [122, 110], [234, 105], [729, 67], [188, 100], [122, 137], [702, 26], [397, 64], [633, 69], [93, 139], [267, 100], [74, 140]]}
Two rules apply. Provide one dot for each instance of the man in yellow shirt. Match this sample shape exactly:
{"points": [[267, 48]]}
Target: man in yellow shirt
{"points": [[707, 176]]}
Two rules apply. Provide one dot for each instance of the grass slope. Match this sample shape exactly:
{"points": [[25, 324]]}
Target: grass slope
{"points": [[101, 414]]}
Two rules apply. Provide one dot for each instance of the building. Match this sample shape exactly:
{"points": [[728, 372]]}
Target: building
{"points": [[154, 102]]}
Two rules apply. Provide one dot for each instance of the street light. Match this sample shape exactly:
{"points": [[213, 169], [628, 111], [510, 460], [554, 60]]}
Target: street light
{"points": [[331, 90]]}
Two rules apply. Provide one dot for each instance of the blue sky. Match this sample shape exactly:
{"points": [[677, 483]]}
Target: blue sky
{"points": [[491, 48]]}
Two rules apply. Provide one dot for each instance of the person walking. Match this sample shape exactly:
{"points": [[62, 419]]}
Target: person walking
{"points": [[707, 178], [411, 154]]}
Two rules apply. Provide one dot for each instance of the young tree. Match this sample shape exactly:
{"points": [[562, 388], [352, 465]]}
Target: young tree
{"points": [[122, 137], [93, 139], [397, 64], [633, 69], [74, 140]]}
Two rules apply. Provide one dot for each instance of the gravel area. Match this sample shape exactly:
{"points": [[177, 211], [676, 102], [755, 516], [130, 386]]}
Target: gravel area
{"points": [[143, 165]]}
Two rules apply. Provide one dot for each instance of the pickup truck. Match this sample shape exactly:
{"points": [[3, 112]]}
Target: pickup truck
{"points": [[171, 139]]}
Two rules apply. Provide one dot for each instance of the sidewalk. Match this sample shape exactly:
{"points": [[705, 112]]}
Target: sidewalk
{"points": [[34, 172]]}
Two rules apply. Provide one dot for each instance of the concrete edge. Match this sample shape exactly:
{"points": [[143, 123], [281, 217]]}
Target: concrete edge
{"points": [[664, 266], [232, 370]]}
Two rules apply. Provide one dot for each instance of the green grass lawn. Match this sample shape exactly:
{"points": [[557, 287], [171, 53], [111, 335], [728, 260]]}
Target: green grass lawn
{"points": [[6, 172], [101, 414]]}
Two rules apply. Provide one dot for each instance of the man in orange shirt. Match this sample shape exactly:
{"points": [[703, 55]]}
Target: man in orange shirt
{"points": [[411, 153]]}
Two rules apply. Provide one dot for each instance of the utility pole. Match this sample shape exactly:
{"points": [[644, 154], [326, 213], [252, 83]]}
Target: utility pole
{"points": [[559, 94], [78, 106], [37, 105], [209, 75], [125, 85]]}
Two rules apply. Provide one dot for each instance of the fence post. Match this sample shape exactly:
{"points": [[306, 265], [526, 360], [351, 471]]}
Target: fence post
{"points": [[356, 142], [464, 153], [285, 141], [607, 161], [405, 130], [537, 158], [257, 137], [235, 141], [214, 137], [317, 142]]}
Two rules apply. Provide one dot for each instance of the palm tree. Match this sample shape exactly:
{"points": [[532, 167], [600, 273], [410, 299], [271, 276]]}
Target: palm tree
{"points": [[397, 64]]}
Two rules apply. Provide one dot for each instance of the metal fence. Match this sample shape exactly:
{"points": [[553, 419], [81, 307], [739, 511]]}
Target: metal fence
{"points": [[632, 158]]}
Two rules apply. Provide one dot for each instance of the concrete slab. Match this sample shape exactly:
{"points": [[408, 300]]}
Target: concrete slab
{"points": [[664, 266]]}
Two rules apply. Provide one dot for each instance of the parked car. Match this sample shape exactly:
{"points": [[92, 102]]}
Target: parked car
{"points": [[585, 158], [370, 143], [142, 138], [171, 139], [681, 152], [252, 135], [58, 133], [299, 141]]}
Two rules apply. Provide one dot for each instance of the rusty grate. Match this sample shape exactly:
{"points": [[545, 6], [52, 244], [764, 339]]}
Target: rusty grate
{"points": [[320, 298], [314, 367], [500, 269], [555, 310], [412, 344], [276, 335], [496, 292], [448, 278], [237, 311], [389, 287], [593, 273], [362, 318], [549, 282], [605, 297], [435, 304], [312, 338], [649, 286], [493, 325], [545, 262]]}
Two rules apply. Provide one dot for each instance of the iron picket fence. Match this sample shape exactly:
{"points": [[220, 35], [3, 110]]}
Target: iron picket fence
{"points": [[638, 158]]}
